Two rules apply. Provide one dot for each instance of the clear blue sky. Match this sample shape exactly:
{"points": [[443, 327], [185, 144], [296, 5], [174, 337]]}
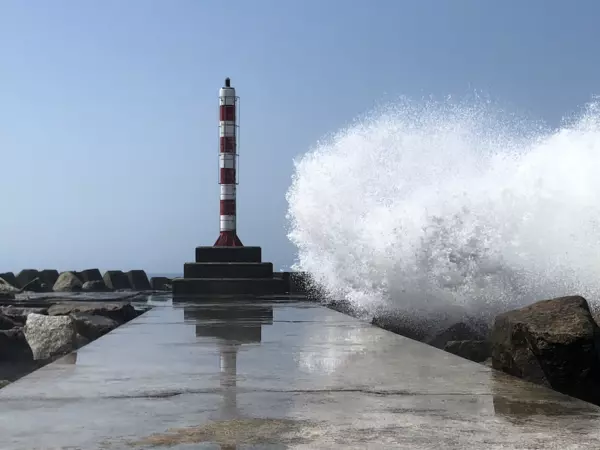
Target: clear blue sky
{"points": [[108, 109]]}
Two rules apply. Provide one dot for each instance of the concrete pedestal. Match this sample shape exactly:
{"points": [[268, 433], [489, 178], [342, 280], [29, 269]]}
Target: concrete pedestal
{"points": [[228, 286], [228, 254], [229, 271]]}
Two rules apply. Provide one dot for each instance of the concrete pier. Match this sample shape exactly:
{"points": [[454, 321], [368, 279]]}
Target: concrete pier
{"points": [[279, 374]]}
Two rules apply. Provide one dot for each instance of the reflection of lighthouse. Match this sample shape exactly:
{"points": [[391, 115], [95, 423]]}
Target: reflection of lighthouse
{"points": [[228, 378], [232, 324]]}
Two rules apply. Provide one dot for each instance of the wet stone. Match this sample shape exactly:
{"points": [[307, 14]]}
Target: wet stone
{"points": [[67, 282], [119, 312], [92, 326]]}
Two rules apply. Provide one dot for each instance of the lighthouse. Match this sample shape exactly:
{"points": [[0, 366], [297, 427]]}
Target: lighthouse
{"points": [[228, 268], [228, 133]]}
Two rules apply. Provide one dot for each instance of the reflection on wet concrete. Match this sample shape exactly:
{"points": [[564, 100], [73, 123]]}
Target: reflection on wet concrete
{"points": [[232, 324], [276, 375]]}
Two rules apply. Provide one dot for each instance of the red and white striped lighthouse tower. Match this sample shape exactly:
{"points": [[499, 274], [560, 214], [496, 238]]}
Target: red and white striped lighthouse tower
{"points": [[228, 130]]}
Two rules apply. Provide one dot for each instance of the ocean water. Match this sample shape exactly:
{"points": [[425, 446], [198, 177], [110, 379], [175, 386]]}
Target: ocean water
{"points": [[423, 206], [168, 275]]}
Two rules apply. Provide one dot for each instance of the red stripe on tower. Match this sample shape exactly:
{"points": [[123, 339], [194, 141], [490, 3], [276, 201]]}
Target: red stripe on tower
{"points": [[228, 129], [227, 144]]}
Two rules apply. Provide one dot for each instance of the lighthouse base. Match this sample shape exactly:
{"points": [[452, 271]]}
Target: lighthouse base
{"points": [[228, 239], [229, 271]]}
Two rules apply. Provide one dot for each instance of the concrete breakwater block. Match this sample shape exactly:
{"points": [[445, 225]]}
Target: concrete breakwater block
{"points": [[26, 276], [228, 270], [89, 275], [160, 283], [48, 276], [138, 280], [228, 254], [116, 279], [10, 278]]}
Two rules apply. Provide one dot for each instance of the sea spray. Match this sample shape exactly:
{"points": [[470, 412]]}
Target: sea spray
{"points": [[425, 207]]}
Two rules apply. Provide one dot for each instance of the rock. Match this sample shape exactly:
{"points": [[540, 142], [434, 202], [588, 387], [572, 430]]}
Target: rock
{"points": [[9, 278], [6, 287], [460, 331], [477, 351], [26, 276], [160, 283], [343, 306], [50, 336], [81, 341], [4, 383], [6, 323], [92, 326], [119, 312], [138, 280], [7, 292], [36, 285], [116, 280], [19, 314], [409, 327], [48, 276], [67, 282], [14, 346], [89, 275], [552, 342], [94, 286]]}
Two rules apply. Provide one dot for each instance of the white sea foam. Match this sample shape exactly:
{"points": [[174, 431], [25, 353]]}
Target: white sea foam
{"points": [[423, 206]]}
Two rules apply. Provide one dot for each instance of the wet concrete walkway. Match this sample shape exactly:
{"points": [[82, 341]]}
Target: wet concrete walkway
{"points": [[279, 375]]}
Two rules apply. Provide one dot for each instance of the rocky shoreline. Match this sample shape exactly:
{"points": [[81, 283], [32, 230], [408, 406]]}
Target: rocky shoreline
{"points": [[45, 314], [36, 332]]}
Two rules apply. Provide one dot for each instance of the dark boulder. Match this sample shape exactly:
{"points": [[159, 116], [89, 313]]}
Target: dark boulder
{"points": [[160, 283], [92, 326], [67, 282], [7, 323], [94, 286], [89, 275], [461, 331], [26, 276], [48, 276], [14, 346], [553, 342], [477, 351], [343, 306], [119, 312], [9, 278], [410, 327], [116, 280], [19, 314], [138, 280]]}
